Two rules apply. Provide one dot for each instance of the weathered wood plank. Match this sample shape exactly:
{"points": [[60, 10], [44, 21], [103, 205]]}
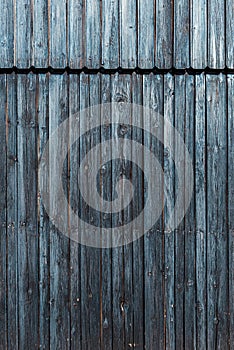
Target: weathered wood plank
{"points": [[57, 34], [75, 22], [164, 34], [127, 32], [90, 257], [59, 243], [153, 239], [23, 33], [40, 34], [138, 245], [92, 33], [110, 34], [106, 268], [27, 213], [198, 34], [181, 34], [229, 34], [200, 207], [180, 110], [7, 34], [145, 49], [230, 86], [42, 108], [12, 218], [217, 268], [3, 212], [190, 248], [169, 202], [75, 264], [216, 34]]}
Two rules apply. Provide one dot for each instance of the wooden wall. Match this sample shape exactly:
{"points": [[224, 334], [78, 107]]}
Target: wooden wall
{"points": [[166, 290], [117, 33]]}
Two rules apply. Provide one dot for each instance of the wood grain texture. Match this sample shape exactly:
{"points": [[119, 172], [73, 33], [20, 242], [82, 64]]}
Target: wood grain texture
{"points": [[110, 34], [57, 33], [198, 34], [229, 34], [40, 37], [146, 36], [216, 34], [217, 268], [75, 34], [27, 282], [230, 185], [12, 214], [172, 288], [7, 33], [200, 210], [164, 34], [181, 51], [3, 215]]}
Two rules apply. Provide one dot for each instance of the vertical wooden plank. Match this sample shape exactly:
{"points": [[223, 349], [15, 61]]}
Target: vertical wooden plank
{"points": [[75, 264], [164, 34], [90, 257], [110, 34], [27, 213], [23, 34], [40, 34], [180, 108], [217, 268], [120, 92], [200, 208], [7, 34], [106, 268], [198, 32], [153, 239], [229, 34], [42, 108], [92, 33], [128, 30], [216, 34], [59, 243], [12, 204], [230, 135], [75, 33], [146, 25], [138, 245], [169, 199], [58, 34], [3, 214], [190, 248], [181, 34]]}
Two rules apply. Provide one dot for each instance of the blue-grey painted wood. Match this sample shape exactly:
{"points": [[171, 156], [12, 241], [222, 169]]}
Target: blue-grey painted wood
{"points": [[169, 234], [198, 34], [200, 210], [27, 279], [229, 34], [181, 57], [217, 267], [7, 33], [3, 214], [216, 34], [110, 33], [40, 39], [164, 34], [57, 33], [128, 33], [146, 36], [230, 135], [42, 107], [92, 33], [75, 33], [23, 33]]}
